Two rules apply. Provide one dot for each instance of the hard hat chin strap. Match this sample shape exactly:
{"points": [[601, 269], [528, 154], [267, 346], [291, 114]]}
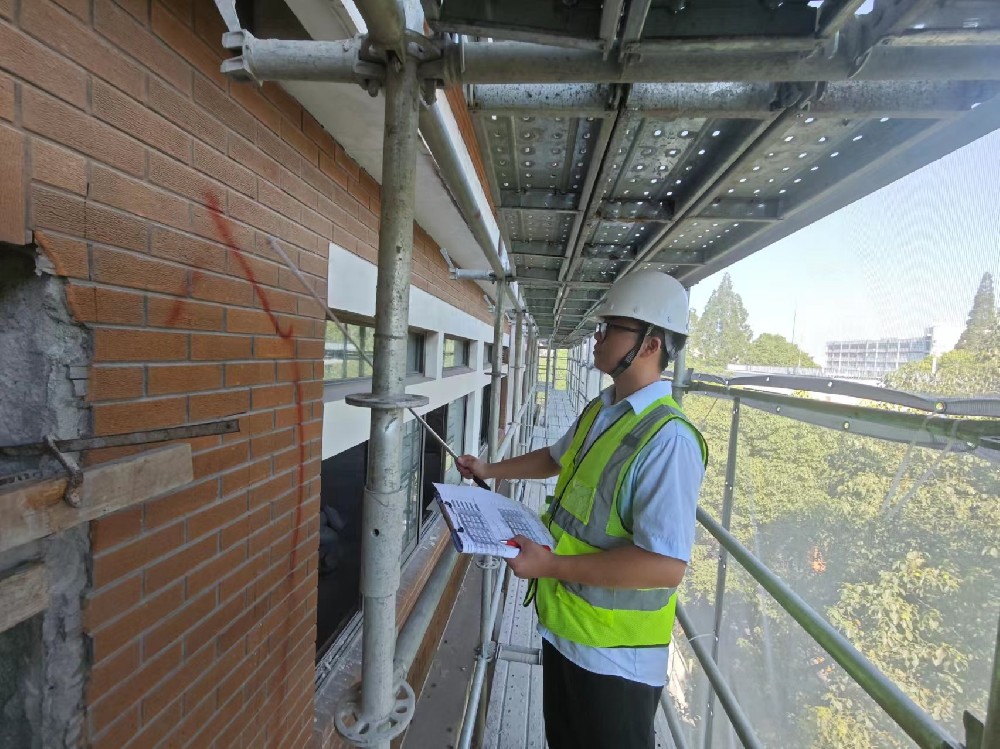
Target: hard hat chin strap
{"points": [[627, 360]]}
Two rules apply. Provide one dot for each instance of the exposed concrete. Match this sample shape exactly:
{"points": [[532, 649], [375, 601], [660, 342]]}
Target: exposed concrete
{"points": [[43, 660]]}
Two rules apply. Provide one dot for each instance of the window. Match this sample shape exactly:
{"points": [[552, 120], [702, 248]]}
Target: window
{"points": [[412, 457], [487, 355], [415, 353], [456, 352], [455, 437], [342, 360]]}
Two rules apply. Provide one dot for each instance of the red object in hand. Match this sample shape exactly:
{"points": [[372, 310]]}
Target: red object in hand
{"points": [[512, 542]]}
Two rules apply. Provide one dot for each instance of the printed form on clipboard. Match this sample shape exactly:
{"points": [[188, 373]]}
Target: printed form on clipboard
{"points": [[482, 521]]}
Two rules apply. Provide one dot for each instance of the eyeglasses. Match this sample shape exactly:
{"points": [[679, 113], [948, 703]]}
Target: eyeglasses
{"points": [[605, 326]]}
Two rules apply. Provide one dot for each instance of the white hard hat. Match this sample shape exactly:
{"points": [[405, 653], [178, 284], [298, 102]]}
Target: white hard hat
{"points": [[650, 296]]}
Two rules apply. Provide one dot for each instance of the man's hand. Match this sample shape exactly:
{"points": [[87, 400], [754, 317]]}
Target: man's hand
{"points": [[470, 467], [534, 560]]}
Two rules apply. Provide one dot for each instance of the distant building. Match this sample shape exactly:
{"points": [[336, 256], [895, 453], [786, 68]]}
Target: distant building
{"points": [[874, 358]]}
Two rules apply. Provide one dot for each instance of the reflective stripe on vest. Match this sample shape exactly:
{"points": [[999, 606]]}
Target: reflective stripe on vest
{"points": [[585, 519]]}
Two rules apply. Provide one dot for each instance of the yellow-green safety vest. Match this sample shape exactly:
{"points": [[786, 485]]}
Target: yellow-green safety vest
{"points": [[585, 518]]}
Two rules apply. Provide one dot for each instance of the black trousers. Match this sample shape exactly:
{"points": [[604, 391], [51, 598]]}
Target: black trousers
{"points": [[584, 710]]}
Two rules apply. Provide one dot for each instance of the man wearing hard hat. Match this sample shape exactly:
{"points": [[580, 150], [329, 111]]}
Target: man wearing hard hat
{"points": [[623, 516]]}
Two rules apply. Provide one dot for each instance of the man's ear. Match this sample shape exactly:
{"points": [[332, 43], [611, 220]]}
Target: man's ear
{"points": [[651, 346]]}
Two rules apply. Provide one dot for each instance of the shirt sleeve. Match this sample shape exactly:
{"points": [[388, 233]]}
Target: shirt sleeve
{"points": [[666, 480], [559, 448]]}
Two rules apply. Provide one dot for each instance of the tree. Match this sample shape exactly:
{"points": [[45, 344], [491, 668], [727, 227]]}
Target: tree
{"points": [[773, 350], [981, 327], [721, 334]]}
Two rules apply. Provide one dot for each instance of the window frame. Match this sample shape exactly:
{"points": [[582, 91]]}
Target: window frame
{"points": [[462, 345]]}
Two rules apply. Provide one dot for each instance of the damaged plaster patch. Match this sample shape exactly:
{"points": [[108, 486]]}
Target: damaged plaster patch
{"points": [[43, 660]]}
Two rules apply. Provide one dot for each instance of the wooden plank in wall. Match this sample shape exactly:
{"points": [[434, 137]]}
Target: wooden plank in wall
{"points": [[12, 227], [35, 509], [22, 595]]}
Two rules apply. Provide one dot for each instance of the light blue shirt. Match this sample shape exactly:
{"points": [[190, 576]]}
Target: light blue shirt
{"points": [[658, 500]]}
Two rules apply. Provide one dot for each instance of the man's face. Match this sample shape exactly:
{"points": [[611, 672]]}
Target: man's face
{"points": [[615, 337]]}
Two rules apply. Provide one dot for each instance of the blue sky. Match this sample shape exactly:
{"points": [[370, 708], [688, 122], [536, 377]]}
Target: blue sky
{"points": [[890, 265]]}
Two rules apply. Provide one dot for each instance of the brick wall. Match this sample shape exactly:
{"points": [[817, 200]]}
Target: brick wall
{"points": [[151, 183]]}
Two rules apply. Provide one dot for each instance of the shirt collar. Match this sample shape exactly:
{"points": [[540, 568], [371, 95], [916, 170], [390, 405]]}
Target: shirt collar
{"points": [[642, 398]]}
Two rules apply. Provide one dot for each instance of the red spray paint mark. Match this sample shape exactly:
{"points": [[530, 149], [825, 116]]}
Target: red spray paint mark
{"points": [[226, 236]]}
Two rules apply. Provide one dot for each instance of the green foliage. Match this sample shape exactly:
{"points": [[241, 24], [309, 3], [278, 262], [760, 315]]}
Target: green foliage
{"points": [[980, 332], [897, 546], [721, 334], [773, 350]]}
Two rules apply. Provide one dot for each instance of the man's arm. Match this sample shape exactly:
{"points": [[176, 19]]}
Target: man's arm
{"points": [[625, 567], [537, 464]]}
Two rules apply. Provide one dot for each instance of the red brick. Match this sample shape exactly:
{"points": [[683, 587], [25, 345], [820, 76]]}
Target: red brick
{"points": [[109, 672], [223, 289], [217, 227], [235, 533], [82, 305], [265, 272], [176, 177], [277, 149], [183, 313], [138, 345], [130, 116], [120, 733], [318, 134], [251, 157], [160, 726], [348, 163], [249, 321], [212, 674], [150, 610], [57, 166], [133, 38], [55, 120], [183, 9], [138, 9], [208, 24], [129, 691], [208, 97], [132, 417], [213, 518], [136, 197], [219, 167], [269, 444], [183, 41], [111, 601], [38, 64], [177, 623], [213, 347], [6, 97], [205, 407], [178, 565], [319, 180], [179, 504], [210, 574], [69, 256], [227, 457], [287, 104], [253, 373], [188, 250], [285, 204], [271, 396], [55, 29], [292, 135], [182, 111], [132, 557], [329, 166], [6, 8], [115, 383], [273, 348], [124, 268], [184, 378], [113, 529], [246, 94], [50, 210], [113, 227], [244, 476]]}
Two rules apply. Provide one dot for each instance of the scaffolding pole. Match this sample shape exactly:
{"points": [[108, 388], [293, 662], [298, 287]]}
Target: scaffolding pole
{"points": [[720, 576], [518, 365], [385, 706]]}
